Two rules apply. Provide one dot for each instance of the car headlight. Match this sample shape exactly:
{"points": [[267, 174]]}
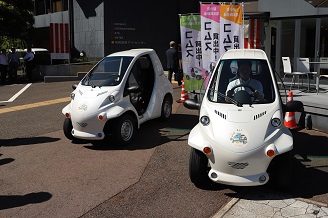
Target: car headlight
{"points": [[72, 96], [275, 122], [111, 98], [205, 120]]}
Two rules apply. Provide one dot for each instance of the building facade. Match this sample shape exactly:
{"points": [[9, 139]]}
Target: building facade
{"points": [[292, 28]]}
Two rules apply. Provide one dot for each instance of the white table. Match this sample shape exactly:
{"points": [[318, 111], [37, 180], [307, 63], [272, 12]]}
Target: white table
{"points": [[317, 68]]}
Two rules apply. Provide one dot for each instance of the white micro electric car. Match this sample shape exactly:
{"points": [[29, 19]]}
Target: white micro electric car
{"points": [[241, 140], [120, 92], [195, 72]]}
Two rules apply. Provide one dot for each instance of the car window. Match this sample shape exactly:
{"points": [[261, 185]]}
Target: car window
{"points": [[108, 72], [227, 77], [134, 76]]}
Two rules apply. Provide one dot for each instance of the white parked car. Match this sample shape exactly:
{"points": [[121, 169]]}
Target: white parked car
{"points": [[194, 72], [120, 92], [241, 140]]}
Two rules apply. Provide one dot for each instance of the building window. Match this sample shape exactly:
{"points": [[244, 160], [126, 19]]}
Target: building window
{"points": [[50, 6], [56, 6], [39, 6]]}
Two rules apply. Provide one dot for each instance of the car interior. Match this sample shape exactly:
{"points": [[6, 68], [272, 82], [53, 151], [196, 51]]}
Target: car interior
{"points": [[227, 72], [142, 76]]}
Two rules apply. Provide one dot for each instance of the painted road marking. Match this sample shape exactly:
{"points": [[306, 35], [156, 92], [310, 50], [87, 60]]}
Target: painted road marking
{"points": [[17, 94], [33, 105]]}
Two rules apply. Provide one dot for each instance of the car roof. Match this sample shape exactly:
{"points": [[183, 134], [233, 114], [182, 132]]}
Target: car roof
{"points": [[132, 52], [244, 54]]}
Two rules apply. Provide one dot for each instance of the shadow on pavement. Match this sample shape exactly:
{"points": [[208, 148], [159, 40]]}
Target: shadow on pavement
{"points": [[11, 201], [310, 166], [6, 161], [27, 141], [153, 133], [309, 172]]}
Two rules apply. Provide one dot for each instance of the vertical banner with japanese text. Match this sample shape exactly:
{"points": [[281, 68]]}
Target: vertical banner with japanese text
{"points": [[210, 30], [191, 51], [231, 27]]}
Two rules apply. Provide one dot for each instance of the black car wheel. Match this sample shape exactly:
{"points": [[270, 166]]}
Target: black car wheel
{"points": [[280, 171], [67, 128], [125, 129], [198, 168], [166, 108]]}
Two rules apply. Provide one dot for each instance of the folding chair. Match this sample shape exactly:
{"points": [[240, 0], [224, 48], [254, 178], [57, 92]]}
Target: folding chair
{"points": [[303, 65], [323, 67], [288, 72]]}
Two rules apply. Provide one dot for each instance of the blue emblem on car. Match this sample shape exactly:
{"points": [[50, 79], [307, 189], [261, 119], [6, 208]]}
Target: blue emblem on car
{"points": [[83, 107], [238, 137]]}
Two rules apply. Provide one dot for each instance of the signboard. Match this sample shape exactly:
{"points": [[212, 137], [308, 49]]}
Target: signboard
{"points": [[231, 27], [210, 35], [191, 52]]}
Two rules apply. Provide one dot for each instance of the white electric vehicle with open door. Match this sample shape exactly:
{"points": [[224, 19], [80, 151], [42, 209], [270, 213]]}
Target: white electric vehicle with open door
{"points": [[122, 91]]}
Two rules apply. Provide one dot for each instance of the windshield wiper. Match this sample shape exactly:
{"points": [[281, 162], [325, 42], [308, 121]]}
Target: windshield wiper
{"points": [[225, 97]]}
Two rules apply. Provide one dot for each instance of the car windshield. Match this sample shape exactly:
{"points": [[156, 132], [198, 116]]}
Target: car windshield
{"points": [[241, 81], [108, 72]]}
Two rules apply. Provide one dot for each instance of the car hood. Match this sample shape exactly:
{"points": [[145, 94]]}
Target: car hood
{"points": [[89, 100], [241, 129]]}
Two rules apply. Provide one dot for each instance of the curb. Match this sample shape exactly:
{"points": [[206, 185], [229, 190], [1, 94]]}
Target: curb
{"points": [[229, 205]]}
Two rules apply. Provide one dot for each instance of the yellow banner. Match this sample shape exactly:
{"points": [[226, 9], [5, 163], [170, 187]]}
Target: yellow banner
{"points": [[232, 13]]}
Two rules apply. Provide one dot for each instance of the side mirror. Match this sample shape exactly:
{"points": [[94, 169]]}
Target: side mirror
{"points": [[293, 106], [134, 89], [191, 104], [74, 86]]}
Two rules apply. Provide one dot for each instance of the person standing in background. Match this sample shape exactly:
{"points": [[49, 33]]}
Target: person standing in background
{"points": [[29, 64], [14, 61], [172, 59], [3, 65]]}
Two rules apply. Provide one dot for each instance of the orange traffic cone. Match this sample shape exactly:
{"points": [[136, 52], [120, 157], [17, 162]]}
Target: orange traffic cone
{"points": [[290, 121], [184, 94]]}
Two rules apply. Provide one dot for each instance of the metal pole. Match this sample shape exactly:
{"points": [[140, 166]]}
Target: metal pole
{"points": [[71, 26]]}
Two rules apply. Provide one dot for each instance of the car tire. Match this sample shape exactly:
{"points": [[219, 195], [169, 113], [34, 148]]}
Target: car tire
{"points": [[198, 168], [187, 77], [166, 108], [67, 128], [281, 172], [125, 129], [198, 77]]}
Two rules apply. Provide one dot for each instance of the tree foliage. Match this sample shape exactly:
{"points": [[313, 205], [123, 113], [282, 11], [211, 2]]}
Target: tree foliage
{"points": [[16, 18]]}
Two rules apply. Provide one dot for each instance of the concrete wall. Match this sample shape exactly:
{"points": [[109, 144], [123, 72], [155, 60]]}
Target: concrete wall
{"points": [[89, 31], [289, 8], [45, 19], [65, 69]]}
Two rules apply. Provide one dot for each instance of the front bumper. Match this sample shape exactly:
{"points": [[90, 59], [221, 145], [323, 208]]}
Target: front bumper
{"points": [[88, 135], [246, 168], [229, 179]]}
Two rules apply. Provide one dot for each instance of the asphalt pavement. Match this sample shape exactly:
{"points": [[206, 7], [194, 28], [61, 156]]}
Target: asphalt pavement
{"points": [[45, 175], [308, 194]]}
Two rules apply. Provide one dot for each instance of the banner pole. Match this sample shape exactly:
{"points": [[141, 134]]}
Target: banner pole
{"points": [[243, 26]]}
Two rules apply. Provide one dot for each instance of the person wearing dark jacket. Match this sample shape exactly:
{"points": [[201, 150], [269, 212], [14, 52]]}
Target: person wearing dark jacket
{"points": [[29, 63], [172, 62]]}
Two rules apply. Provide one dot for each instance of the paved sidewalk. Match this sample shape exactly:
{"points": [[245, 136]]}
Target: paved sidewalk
{"points": [[259, 202]]}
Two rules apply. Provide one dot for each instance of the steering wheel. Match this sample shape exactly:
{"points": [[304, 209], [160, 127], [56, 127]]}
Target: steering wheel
{"points": [[230, 92]]}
